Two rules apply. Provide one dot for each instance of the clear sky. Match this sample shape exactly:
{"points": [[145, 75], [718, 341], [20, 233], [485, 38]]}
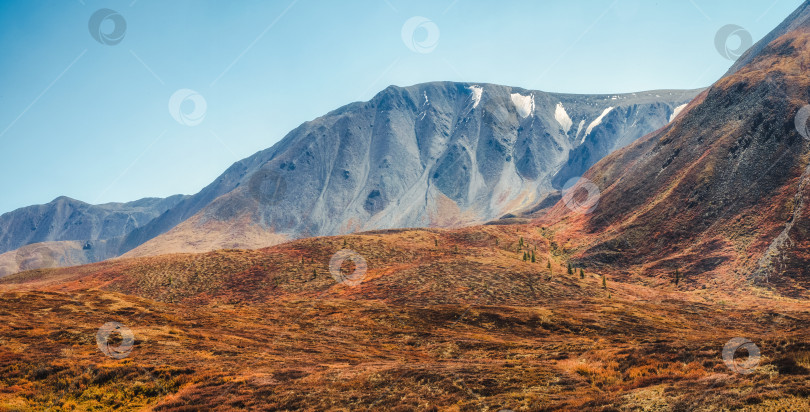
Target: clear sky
{"points": [[92, 121]]}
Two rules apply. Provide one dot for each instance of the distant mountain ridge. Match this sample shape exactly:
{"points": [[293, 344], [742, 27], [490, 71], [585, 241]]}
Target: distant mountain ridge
{"points": [[69, 219], [436, 154], [67, 231]]}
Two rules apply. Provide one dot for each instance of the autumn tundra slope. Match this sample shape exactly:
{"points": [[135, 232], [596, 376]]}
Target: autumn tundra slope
{"points": [[722, 190], [481, 318]]}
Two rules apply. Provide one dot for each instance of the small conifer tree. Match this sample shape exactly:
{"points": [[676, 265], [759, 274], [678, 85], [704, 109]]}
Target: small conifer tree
{"points": [[549, 264], [604, 282], [581, 273], [533, 257], [570, 269], [436, 242], [677, 277]]}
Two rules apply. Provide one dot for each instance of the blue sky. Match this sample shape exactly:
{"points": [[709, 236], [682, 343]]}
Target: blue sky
{"points": [[92, 121]]}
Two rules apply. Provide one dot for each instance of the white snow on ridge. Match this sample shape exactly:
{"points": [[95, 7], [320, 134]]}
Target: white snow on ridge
{"points": [[426, 99], [595, 123], [677, 111], [523, 104], [477, 91], [579, 128], [562, 117]]}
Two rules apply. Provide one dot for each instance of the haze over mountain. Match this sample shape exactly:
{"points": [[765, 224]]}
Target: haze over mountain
{"points": [[721, 191], [431, 155]]}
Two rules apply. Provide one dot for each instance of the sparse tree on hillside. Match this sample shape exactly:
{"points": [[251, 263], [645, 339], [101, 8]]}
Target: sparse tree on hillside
{"points": [[521, 242], [677, 277], [549, 264], [604, 282], [524, 256], [436, 242], [344, 242], [581, 273], [570, 269], [533, 257]]}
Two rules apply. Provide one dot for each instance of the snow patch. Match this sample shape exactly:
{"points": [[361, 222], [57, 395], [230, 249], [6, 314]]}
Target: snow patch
{"points": [[477, 91], [579, 128], [562, 117], [426, 99], [677, 111], [523, 104], [596, 122]]}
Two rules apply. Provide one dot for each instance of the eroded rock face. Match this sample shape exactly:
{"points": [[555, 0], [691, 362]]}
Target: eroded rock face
{"points": [[436, 154]]}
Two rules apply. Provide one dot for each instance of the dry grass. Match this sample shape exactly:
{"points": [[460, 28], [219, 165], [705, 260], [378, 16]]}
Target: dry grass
{"points": [[465, 325]]}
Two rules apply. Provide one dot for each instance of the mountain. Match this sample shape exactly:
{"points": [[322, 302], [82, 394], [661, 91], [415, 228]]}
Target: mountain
{"points": [[89, 232], [721, 192], [431, 155]]}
